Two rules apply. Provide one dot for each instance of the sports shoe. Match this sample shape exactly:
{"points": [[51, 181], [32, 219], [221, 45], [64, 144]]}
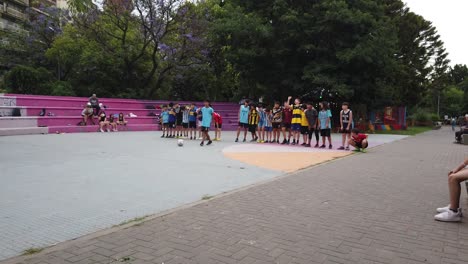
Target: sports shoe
{"points": [[446, 209], [237, 140], [341, 148], [244, 140], [201, 144], [108, 130], [284, 142], [322, 147], [115, 130], [347, 148], [101, 130], [316, 145], [330, 147], [449, 216], [162, 136], [209, 142]]}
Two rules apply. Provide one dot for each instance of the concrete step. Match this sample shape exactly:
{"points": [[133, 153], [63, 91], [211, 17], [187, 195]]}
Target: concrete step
{"points": [[18, 122], [8, 110], [95, 128], [13, 131]]}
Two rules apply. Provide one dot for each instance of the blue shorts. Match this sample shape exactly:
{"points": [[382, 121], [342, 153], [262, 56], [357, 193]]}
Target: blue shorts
{"points": [[296, 127], [261, 124], [268, 129]]}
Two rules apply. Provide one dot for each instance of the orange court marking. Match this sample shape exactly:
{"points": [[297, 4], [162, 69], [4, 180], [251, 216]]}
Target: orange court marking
{"points": [[285, 161]]}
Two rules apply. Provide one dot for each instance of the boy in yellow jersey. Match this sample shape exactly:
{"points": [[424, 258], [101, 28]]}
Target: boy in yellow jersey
{"points": [[304, 127], [253, 122], [296, 120]]}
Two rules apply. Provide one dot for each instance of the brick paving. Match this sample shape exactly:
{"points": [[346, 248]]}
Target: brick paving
{"points": [[366, 208]]}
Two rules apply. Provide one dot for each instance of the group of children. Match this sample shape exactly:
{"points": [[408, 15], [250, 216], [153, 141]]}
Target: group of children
{"points": [[106, 123], [181, 121], [297, 121]]}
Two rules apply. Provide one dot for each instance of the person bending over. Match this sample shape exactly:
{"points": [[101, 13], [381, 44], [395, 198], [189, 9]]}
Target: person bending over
{"points": [[358, 140]]}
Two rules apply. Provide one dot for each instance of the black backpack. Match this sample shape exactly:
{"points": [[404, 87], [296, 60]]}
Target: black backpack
{"points": [[16, 112]]}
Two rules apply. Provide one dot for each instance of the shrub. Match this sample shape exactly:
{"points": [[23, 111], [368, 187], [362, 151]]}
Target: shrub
{"points": [[28, 80], [421, 116], [62, 88]]}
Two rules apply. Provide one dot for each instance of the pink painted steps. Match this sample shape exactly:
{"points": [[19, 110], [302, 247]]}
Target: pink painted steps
{"points": [[64, 113]]}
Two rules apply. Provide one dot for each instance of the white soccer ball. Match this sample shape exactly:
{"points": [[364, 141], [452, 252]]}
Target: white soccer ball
{"points": [[180, 142]]}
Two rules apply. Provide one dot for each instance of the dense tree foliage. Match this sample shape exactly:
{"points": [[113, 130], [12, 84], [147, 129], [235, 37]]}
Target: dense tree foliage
{"points": [[372, 53]]}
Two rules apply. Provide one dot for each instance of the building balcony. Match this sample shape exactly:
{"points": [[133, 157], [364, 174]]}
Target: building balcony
{"points": [[24, 3], [12, 13]]}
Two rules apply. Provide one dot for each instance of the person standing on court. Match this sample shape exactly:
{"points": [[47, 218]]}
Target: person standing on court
{"points": [[94, 101], [207, 117], [243, 120]]}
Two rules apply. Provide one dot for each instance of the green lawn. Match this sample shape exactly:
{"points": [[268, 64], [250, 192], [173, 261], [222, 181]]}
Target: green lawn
{"points": [[411, 131]]}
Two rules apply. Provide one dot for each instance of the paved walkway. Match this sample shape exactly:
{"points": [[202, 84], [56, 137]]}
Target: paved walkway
{"points": [[367, 208], [56, 188]]}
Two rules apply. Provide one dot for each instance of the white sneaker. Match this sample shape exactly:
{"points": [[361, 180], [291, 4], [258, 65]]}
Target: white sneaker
{"points": [[101, 130], [449, 216], [446, 209], [108, 130]]}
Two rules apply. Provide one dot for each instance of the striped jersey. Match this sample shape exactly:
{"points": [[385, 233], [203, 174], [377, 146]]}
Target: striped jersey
{"points": [[253, 117], [296, 114]]}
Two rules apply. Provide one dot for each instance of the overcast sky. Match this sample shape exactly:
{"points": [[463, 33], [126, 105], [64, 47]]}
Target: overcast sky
{"points": [[450, 17]]}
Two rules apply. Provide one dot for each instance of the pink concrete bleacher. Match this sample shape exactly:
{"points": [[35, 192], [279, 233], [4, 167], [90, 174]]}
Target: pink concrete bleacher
{"points": [[66, 113]]}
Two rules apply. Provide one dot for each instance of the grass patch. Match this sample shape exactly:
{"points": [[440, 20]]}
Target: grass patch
{"points": [[136, 219], [410, 131], [207, 197], [31, 251]]}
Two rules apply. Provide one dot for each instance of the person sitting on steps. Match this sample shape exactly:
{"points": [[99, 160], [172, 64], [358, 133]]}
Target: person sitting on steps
{"points": [[453, 212], [87, 113]]}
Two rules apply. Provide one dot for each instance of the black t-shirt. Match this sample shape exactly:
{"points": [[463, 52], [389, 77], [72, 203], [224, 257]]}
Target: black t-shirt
{"points": [[102, 117]]}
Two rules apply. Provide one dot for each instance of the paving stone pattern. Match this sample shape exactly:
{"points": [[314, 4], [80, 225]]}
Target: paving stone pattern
{"points": [[367, 208]]}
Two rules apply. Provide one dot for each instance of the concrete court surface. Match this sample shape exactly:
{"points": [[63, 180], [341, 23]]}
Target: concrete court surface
{"points": [[59, 187]]}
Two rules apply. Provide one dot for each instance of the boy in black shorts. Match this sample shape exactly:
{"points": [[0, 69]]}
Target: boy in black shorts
{"points": [[193, 121], [276, 121], [346, 117], [253, 122], [179, 118]]}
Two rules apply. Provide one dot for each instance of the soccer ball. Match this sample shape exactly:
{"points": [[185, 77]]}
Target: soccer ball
{"points": [[180, 142]]}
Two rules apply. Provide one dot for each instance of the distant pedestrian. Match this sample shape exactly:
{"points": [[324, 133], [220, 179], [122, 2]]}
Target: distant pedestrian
{"points": [[453, 122]]}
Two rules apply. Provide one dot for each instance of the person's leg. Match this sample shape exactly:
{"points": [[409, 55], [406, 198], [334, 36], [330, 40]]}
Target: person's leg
{"points": [[207, 136], [365, 143], [238, 131], [454, 181], [343, 139], [352, 143], [219, 133], [317, 138], [245, 131], [283, 129]]}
